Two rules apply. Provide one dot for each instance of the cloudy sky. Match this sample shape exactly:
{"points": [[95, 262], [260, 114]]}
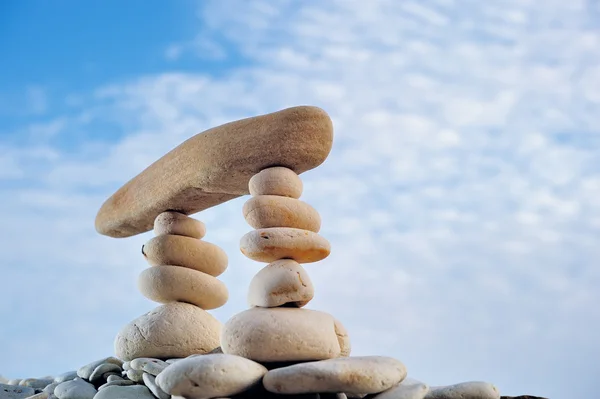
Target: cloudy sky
{"points": [[461, 196]]}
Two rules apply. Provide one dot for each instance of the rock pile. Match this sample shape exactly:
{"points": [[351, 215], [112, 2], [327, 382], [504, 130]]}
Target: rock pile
{"points": [[182, 276]]}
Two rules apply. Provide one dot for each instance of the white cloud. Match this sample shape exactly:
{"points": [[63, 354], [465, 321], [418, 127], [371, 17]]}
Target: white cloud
{"points": [[460, 195]]}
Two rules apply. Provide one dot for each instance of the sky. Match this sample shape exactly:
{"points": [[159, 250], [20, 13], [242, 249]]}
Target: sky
{"points": [[461, 196]]}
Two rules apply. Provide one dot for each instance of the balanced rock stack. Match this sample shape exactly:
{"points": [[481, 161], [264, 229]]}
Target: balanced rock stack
{"points": [[287, 236], [183, 278]]}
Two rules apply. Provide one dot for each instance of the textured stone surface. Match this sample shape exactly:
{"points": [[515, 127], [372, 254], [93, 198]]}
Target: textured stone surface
{"points": [[266, 211], [169, 331], [276, 181], [175, 223], [284, 334], [464, 390], [364, 374], [166, 284], [75, 389], [185, 252], [15, 391], [269, 245], [216, 166], [283, 281]]}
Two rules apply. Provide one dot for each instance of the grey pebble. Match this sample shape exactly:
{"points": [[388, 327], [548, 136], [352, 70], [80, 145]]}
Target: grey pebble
{"points": [[171, 361], [130, 392], [41, 395], [113, 377], [50, 387], [68, 376], [117, 383], [14, 381], [86, 371], [149, 365], [75, 389], [135, 375], [15, 391], [149, 381], [126, 366], [98, 372], [35, 383]]}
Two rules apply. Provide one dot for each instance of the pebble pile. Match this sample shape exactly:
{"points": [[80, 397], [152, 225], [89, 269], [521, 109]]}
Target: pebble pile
{"points": [[276, 348]]}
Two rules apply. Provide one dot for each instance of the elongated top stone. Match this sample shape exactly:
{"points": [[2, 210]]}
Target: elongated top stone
{"points": [[215, 166]]}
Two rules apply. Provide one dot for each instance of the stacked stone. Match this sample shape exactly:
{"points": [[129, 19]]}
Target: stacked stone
{"points": [[183, 277], [276, 328]]}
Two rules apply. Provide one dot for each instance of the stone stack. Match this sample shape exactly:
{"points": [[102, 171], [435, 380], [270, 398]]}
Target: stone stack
{"points": [[276, 328], [183, 277]]}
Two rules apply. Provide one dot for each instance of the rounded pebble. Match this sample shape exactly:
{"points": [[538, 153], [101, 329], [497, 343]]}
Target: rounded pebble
{"points": [[125, 392], [210, 376], [117, 383], [169, 331], [36, 383], [13, 391], [166, 284], [186, 252], [86, 371], [176, 223], [269, 245], [465, 390], [113, 377], [135, 375], [281, 282], [50, 387], [75, 389], [284, 334], [405, 390], [68, 376], [363, 374], [150, 382], [98, 372], [277, 180], [267, 211]]}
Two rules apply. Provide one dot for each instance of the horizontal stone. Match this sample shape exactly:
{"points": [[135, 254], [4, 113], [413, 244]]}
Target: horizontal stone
{"points": [[11, 391], [407, 389], [281, 282], [276, 181], [169, 331], [176, 223], [266, 211], [185, 252], [464, 390], [166, 284], [275, 243], [125, 392], [216, 166]]}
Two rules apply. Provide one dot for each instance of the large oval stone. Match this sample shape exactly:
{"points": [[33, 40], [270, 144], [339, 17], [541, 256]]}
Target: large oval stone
{"points": [[169, 331], [284, 334], [269, 245], [266, 211]]}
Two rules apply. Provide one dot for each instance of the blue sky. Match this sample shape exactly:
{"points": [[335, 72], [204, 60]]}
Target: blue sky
{"points": [[460, 197]]}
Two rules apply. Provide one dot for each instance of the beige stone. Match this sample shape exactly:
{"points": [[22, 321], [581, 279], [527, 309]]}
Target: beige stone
{"points": [[282, 334], [210, 376], [216, 166], [405, 390], [276, 181], [186, 252], [281, 282], [464, 390], [364, 375], [269, 245], [343, 338], [169, 331], [176, 223], [266, 211], [166, 284]]}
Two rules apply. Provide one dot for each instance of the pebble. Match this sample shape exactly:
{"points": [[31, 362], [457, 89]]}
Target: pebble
{"points": [[266, 211], [407, 389], [363, 374], [99, 371], [275, 243], [135, 375], [36, 383], [465, 390], [150, 382], [50, 387], [14, 381], [15, 392], [125, 392], [279, 283], [41, 395], [68, 376], [284, 334], [149, 365], [113, 377], [86, 371], [210, 376], [75, 389], [277, 180], [176, 223], [186, 252], [117, 383], [154, 335], [126, 366], [166, 284]]}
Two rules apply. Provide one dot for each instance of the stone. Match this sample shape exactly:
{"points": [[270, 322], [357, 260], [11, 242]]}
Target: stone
{"points": [[117, 383], [113, 377], [36, 383], [13, 381], [50, 387], [275, 243], [40, 395], [216, 166], [175, 223], [86, 371], [125, 392], [3, 380], [267, 211], [166, 284], [150, 382], [407, 389], [75, 389], [363, 374], [135, 375], [464, 390], [281, 282], [210, 376], [149, 365], [185, 252], [126, 366], [169, 331], [15, 391], [277, 180], [98, 372], [284, 334], [68, 376]]}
